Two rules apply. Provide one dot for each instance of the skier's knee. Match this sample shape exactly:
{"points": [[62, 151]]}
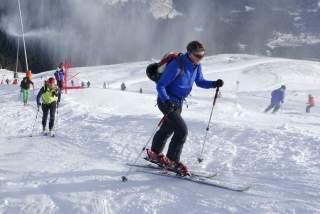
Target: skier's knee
{"points": [[182, 134]]}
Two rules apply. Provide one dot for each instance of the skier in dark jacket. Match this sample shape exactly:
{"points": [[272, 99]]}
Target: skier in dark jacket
{"points": [[172, 90], [50, 96], [25, 86], [277, 99]]}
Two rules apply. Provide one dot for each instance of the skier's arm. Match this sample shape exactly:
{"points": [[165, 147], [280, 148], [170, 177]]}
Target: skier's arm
{"points": [[169, 74], [282, 97], [39, 96], [201, 82], [21, 86], [32, 84]]}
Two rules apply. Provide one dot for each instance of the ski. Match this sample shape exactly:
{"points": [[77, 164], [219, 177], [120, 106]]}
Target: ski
{"points": [[201, 180], [193, 173]]}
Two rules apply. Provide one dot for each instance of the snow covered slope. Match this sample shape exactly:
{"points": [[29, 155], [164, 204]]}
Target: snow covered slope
{"points": [[100, 130]]}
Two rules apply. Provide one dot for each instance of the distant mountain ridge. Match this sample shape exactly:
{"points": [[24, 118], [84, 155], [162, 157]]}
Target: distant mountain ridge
{"points": [[112, 31]]}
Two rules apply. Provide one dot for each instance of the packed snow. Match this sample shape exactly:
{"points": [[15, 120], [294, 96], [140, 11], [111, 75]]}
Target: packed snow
{"points": [[99, 130]]}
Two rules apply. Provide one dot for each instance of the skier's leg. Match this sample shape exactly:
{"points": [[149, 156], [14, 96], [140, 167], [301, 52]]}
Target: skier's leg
{"points": [[27, 96], [61, 88], [24, 91], [308, 108], [53, 107], [276, 108], [269, 107], [179, 137], [162, 135], [45, 110]]}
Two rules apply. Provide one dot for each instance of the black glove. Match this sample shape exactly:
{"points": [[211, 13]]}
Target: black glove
{"points": [[169, 106], [38, 105], [219, 83]]}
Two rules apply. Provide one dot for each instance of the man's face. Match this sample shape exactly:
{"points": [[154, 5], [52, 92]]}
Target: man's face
{"points": [[196, 57]]}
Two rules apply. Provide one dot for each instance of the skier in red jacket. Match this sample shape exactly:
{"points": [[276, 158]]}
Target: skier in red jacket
{"points": [[311, 103]]}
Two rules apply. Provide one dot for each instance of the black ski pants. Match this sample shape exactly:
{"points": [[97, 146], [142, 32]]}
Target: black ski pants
{"points": [[173, 124], [60, 84], [275, 108], [46, 108]]}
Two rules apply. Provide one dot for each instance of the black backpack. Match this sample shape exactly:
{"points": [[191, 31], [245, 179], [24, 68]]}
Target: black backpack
{"points": [[24, 83], [155, 70]]}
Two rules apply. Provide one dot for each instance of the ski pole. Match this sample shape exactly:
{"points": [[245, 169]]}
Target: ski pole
{"points": [[124, 178], [56, 120], [34, 123], [200, 158]]}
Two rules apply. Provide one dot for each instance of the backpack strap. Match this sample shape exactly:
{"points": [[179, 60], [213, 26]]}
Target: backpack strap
{"points": [[181, 65]]}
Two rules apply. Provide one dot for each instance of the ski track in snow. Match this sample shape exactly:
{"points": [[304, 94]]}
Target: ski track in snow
{"points": [[100, 130]]}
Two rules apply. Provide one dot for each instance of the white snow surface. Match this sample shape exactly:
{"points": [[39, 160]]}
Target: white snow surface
{"points": [[100, 130]]}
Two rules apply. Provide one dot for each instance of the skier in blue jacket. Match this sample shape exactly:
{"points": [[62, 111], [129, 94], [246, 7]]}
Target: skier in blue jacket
{"points": [[277, 99], [173, 87], [59, 75]]}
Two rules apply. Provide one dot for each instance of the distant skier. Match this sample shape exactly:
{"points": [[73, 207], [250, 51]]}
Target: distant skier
{"points": [[311, 103], [237, 86], [172, 90], [59, 75], [72, 83], [88, 84], [104, 85], [277, 99], [82, 84], [50, 96], [7, 81], [25, 86], [15, 82], [123, 87]]}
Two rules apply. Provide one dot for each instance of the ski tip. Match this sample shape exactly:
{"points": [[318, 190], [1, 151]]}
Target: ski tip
{"points": [[124, 179]]}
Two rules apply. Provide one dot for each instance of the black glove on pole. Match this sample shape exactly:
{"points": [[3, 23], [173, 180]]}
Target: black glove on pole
{"points": [[200, 159]]}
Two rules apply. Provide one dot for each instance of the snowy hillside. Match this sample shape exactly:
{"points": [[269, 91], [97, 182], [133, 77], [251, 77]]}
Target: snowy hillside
{"points": [[100, 130]]}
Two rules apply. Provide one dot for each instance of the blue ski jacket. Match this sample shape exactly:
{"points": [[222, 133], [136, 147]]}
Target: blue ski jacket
{"points": [[59, 75], [175, 87], [277, 96]]}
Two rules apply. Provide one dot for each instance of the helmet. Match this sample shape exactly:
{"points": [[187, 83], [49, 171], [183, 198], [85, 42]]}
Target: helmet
{"points": [[283, 87], [195, 47]]}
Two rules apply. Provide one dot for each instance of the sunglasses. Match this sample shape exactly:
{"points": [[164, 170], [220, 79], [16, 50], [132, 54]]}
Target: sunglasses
{"points": [[199, 56]]}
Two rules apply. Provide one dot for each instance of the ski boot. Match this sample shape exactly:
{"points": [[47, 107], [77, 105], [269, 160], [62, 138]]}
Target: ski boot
{"points": [[179, 168], [159, 159], [44, 132], [51, 133]]}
